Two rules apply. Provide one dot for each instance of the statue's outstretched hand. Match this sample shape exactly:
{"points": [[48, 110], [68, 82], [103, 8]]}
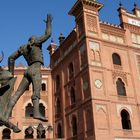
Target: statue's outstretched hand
{"points": [[48, 19]]}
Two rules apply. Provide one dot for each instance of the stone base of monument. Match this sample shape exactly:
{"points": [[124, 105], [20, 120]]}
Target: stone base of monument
{"points": [[5, 95]]}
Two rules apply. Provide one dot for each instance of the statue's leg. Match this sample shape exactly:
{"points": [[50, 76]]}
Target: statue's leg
{"points": [[37, 81], [21, 89]]}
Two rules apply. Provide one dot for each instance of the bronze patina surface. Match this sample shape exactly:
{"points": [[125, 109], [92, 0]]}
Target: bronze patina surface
{"points": [[32, 52]]}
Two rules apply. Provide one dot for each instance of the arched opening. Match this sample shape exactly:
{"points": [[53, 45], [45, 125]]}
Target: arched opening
{"points": [[125, 119], [43, 87], [41, 135], [41, 131], [74, 125], [29, 133], [42, 109], [71, 70], [72, 96], [57, 82], [29, 110], [116, 59], [59, 131], [120, 87], [6, 134], [58, 106]]}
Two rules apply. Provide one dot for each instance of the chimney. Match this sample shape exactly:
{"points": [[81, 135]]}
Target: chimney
{"points": [[52, 47], [61, 38]]}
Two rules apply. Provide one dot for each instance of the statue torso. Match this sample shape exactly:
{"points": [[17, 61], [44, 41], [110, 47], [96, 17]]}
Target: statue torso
{"points": [[33, 54]]}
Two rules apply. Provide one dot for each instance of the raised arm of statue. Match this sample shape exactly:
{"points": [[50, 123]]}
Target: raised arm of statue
{"points": [[1, 56], [48, 30], [12, 58]]}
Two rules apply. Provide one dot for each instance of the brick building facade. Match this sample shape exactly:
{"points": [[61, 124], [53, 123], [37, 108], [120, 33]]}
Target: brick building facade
{"points": [[96, 76]]}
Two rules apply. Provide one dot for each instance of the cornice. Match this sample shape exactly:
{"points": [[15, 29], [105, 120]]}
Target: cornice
{"points": [[81, 3], [132, 28], [93, 3], [111, 28]]}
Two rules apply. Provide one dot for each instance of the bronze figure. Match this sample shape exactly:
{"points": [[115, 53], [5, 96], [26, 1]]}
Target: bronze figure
{"points": [[32, 53]]}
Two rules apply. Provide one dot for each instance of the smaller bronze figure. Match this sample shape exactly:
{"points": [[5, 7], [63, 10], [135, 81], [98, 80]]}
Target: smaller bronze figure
{"points": [[32, 53], [5, 76], [6, 88]]}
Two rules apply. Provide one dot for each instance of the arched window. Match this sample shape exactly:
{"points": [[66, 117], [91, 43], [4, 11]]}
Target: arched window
{"points": [[29, 110], [42, 135], [57, 82], [41, 131], [29, 133], [72, 96], [74, 125], [42, 109], [125, 118], [6, 134], [71, 70], [120, 87], [58, 106], [43, 87], [116, 59], [59, 131]]}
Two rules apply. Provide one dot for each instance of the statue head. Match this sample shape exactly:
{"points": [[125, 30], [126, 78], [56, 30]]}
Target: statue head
{"points": [[32, 39]]}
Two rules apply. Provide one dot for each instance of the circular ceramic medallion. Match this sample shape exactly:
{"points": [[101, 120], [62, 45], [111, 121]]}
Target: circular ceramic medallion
{"points": [[98, 83]]}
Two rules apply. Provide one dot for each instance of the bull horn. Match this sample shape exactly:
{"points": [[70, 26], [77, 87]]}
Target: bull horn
{"points": [[1, 56]]}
